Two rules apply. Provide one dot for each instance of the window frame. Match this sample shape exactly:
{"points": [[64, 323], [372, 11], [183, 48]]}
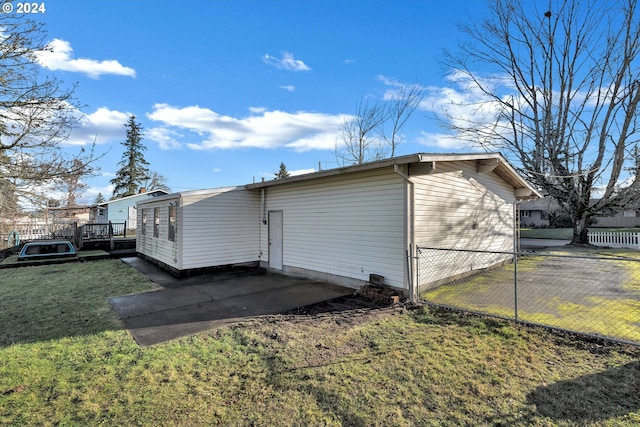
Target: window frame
{"points": [[143, 229], [156, 222], [173, 214]]}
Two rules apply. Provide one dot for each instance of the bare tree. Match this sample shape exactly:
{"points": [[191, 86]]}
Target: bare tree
{"points": [[560, 87], [360, 135], [155, 181], [8, 200], [71, 183], [402, 102], [373, 132], [36, 115]]}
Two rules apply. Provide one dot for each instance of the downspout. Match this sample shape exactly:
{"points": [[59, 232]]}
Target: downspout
{"points": [[179, 236], [263, 205], [516, 251], [409, 232], [263, 220]]}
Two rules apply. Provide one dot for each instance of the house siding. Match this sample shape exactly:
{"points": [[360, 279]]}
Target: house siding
{"points": [[342, 226], [616, 220], [220, 228], [213, 228], [458, 208], [159, 248], [118, 210]]}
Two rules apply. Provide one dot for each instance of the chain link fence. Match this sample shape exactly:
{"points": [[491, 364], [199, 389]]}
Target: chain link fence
{"points": [[590, 293]]}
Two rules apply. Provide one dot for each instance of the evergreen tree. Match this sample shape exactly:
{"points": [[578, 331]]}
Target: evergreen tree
{"points": [[283, 172], [134, 170], [99, 199]]}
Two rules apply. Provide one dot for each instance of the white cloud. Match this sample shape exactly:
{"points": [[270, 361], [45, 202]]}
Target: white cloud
{"points": [[462, 105], [442, 141], [101, 126], [301, 131], [257, 110], [286, 62], [301, 171], [90, 194], [60, 57], [397, 89], [271, 175], [290, 88], [167, 139]]}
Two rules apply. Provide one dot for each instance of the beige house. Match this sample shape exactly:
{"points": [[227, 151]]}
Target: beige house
{"points": [[341, 225]]}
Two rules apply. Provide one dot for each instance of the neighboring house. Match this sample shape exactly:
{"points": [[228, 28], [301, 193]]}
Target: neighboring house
{"points": [[540, 213], [68, 214], [628, 218], [122, 209], [341, 225]]}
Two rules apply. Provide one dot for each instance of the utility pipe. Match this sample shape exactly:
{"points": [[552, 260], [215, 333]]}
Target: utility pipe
{"points": [[409, 231]]}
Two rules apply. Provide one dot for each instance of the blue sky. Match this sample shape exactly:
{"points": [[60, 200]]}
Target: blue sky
{"points": [[226, 90]]}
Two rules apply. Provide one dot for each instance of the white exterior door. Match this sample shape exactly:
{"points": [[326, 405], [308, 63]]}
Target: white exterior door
{"points": [[275, 240], [133, 218]]}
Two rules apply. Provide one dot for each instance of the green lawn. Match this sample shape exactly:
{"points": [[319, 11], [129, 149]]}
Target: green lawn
{"points": [[65, 360], [546, 233]]}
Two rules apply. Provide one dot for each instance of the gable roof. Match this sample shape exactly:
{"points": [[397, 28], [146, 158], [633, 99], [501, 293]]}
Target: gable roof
{"points": [[188, 193], [148, 194], [485, 162]]}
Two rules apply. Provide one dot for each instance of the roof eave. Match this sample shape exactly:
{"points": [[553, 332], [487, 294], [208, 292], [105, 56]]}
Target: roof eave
{"points": [[504, 170], [413, 158]]}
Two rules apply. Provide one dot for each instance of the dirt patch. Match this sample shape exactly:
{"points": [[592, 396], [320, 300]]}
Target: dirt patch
{"points": [[346, 303], [334, 325], [342, 313]]}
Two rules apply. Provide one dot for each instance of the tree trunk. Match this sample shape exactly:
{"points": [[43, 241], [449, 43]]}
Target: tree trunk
{"points": [[580, 236]]}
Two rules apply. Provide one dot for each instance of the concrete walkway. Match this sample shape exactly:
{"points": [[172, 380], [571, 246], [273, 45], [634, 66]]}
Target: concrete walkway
{"points": [[199, 303]]}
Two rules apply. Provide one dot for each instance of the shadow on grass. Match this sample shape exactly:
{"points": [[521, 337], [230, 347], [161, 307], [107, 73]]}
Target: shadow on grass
{"points": [[55, 320], [590, 398], [50, 302]]}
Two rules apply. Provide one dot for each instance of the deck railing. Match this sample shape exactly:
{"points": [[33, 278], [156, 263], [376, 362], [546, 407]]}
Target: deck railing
{"points": [[14, 234]]}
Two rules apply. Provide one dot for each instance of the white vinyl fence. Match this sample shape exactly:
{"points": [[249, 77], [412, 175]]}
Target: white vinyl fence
{"points": [[615, 239]]}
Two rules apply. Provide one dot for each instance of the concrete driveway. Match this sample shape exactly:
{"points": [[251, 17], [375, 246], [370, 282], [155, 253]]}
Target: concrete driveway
{"points": [[195, 304]]}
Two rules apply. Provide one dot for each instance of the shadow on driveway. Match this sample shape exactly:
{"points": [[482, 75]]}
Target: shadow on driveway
{"points": [[199, 303]]}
